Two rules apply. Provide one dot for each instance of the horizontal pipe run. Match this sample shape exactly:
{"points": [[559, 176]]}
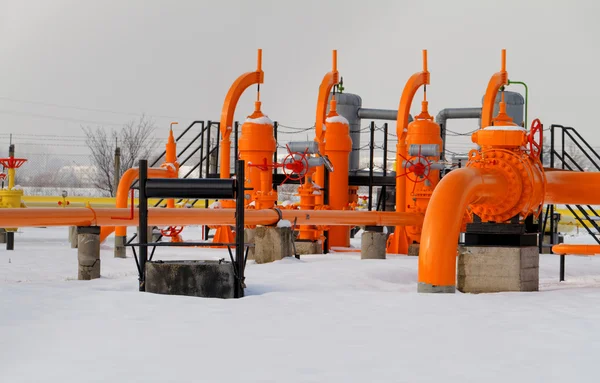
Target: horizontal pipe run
{"points": [[572, 249], [380, 114], [576, 188], [36, 217]]}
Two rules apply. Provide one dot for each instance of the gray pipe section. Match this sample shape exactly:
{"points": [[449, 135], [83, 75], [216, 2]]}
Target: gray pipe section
{"points": [[453, 113], [380, 114]]}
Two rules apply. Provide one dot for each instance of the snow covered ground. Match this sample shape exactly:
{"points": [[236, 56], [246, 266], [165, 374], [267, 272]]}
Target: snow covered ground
{"points": [[327, 318]]}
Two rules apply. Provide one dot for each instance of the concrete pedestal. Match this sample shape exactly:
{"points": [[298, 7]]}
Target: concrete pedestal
{"points": [[2, 236], [548, 250], [88, 252], [496, 269], [73, 236], [272, 243], [373, 245], [308, 247], [413, 250], [210, 279], [120, 249], [249, 235]]}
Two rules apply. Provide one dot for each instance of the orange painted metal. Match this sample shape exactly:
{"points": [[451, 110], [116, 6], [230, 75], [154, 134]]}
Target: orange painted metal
{"points": [[422, 131], [572, 249], [398, 241], [233, 95], [337, 149], [127, 179], [256, 145], [497, 81], [329, 80], [33, 217], [576, 188], [444, 217]]}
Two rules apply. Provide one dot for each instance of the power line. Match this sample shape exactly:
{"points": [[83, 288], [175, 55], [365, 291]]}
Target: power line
{"points": [[86, 109]]}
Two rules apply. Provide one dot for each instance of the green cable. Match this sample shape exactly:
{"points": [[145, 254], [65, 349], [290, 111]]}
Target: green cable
{"points": [[526, 96]]}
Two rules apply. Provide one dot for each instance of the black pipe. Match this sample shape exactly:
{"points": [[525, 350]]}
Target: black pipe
{"points": [[143, 222], [562, 268], [385, 149], [239, 229], [325, 192], [371, 155], [235, 139], [10, 240], [275, 126], [218, 188]]}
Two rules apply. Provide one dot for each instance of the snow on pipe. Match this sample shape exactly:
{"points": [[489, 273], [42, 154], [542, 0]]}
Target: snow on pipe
{"points": [[35, 217]]}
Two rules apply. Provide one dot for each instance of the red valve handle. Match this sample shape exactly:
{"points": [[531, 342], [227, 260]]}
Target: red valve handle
{"points": [[171, 231], [535, 146], [418, 166]]}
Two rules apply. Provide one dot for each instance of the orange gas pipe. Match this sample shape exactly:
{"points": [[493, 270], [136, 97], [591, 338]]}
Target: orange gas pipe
{"points": [[233, 95], [329, 80], [127, 179], [498, 80], [565, 249], [398, 242], [443, 220], [577, 188], [34, 217]]}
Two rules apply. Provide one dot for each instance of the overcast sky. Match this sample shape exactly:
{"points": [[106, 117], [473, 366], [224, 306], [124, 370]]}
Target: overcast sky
{"points": [[175, 60]]}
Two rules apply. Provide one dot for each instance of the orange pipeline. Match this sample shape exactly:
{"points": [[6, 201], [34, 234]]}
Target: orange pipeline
{"points": [[572, 249], [458, 189], [228, 111], [577, 188], [329, 80], [122, 197], [398, 241], [34, 217]]}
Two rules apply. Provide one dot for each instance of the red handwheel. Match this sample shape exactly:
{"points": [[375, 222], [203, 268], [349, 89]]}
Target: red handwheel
{"points": [[536, 143], [171, 231]]}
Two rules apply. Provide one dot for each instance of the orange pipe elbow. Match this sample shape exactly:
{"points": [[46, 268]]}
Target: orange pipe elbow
{"points": [[498, 80], [123, 191], [443, 220]]}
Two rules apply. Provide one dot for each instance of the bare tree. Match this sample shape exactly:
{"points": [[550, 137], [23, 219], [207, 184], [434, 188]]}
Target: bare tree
{"points": [[135, 140]]}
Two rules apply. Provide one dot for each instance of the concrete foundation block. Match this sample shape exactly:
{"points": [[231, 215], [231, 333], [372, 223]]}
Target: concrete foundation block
{"points": [[2, 236], [272, 243], [413, 250], [373, 245], [209, 279], [308, 247], [496, 269], [249, 235], [88, 252], [120, 249], [73, 236]]}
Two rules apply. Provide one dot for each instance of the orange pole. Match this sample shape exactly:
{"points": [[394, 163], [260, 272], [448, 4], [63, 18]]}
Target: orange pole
{"points": [[329, 80], [33, 217], [565, 249], [231, 99], [398, 243], [443, 220], [577, 188], [171, 158], [498, 80]]}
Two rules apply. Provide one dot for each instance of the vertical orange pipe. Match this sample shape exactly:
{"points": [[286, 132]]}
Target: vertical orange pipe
{"points": [[338, 148], [329, 80], [397, 242], [498, 80], [171, 158], [228, 111]]}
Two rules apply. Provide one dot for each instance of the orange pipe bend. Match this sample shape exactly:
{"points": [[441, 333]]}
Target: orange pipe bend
{"points": [[123, 190], [34, 217], [565, 248], [444, 217], [578, 188], [497, 80]]}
